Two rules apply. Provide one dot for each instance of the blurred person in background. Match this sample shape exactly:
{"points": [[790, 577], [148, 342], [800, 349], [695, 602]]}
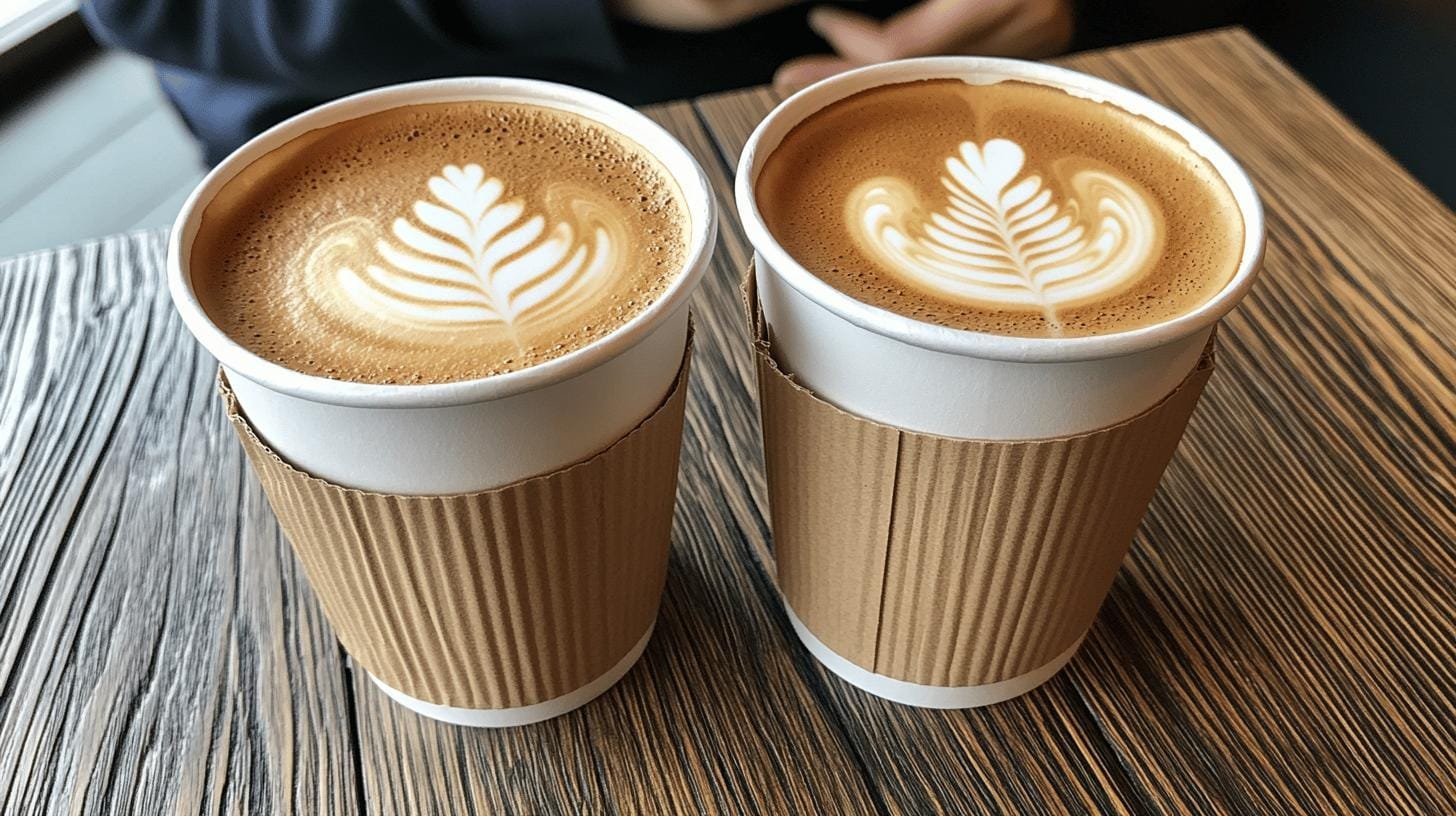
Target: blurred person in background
{"points": [[235, 67]]}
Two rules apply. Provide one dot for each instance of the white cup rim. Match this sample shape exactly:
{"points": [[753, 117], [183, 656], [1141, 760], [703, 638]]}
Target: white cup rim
{"points": [[814, 98], [692, 182]]}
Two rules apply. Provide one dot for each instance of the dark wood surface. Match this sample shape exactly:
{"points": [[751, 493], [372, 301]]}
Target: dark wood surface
{"points": [[1282, 639]]}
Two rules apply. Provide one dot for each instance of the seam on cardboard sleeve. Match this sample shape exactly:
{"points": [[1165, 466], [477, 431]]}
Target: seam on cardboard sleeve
{"points": [[889, 546]]}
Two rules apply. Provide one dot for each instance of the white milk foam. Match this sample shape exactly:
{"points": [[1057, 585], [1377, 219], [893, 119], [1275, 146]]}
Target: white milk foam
{"points": [[1000, 239], [471, 258]]}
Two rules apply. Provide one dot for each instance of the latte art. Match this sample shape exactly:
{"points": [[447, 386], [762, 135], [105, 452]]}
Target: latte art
{"points": [[1010, 208], [1001, 239], [439, 242], [470, 258]]}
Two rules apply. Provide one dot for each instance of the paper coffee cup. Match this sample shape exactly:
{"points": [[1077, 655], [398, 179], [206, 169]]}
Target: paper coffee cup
{"points": [[967, 384], [971, 565], [500, 433]]}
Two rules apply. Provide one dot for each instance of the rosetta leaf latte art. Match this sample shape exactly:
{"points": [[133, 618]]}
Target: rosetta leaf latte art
{"points": [[1002, 240], [472, 257]]}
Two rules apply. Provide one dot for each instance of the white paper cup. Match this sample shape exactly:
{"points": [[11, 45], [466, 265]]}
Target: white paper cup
{"points": [[475, 434], [1015, 396], [972, 385]]}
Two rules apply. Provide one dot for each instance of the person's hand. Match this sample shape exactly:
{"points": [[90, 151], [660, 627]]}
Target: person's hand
{"points": [[997, 28], [693, 15]]}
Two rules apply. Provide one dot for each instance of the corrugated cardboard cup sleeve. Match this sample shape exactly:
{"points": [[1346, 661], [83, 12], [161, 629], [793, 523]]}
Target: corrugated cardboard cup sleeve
{"points": [[497, 599], [951, 562]]}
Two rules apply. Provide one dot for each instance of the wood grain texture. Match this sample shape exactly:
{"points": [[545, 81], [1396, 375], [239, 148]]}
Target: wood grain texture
{"points": [[1281, 639], [159, 651], [1284, 635]]}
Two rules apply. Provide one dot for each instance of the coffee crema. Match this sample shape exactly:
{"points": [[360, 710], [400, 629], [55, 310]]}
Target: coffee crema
{"points": [[1010, 208], [439, 242]]}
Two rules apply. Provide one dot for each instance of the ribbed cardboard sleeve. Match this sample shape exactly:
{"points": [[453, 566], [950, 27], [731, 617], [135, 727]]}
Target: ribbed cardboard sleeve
{"points": [[498, 599], [951, 562]]}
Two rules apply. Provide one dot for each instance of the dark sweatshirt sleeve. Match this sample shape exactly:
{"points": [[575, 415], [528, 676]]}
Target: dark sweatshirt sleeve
{"points": [[235, 67], [361, 43]]}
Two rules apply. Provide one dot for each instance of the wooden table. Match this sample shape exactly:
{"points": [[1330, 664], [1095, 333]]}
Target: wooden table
{"points": [[1281, 640]]}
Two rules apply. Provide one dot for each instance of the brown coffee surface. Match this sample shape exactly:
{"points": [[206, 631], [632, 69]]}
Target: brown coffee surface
{"points": [[1009, 208], [439, 242]]}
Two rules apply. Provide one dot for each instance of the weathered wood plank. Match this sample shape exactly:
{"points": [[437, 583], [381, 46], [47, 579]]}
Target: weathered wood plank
{"points": [[158, 649], [731, 117], [1282, 638]]}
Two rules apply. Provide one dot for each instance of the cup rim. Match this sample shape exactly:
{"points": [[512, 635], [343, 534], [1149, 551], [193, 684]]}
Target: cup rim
{"points": [[684, 169], [986, 70]]}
